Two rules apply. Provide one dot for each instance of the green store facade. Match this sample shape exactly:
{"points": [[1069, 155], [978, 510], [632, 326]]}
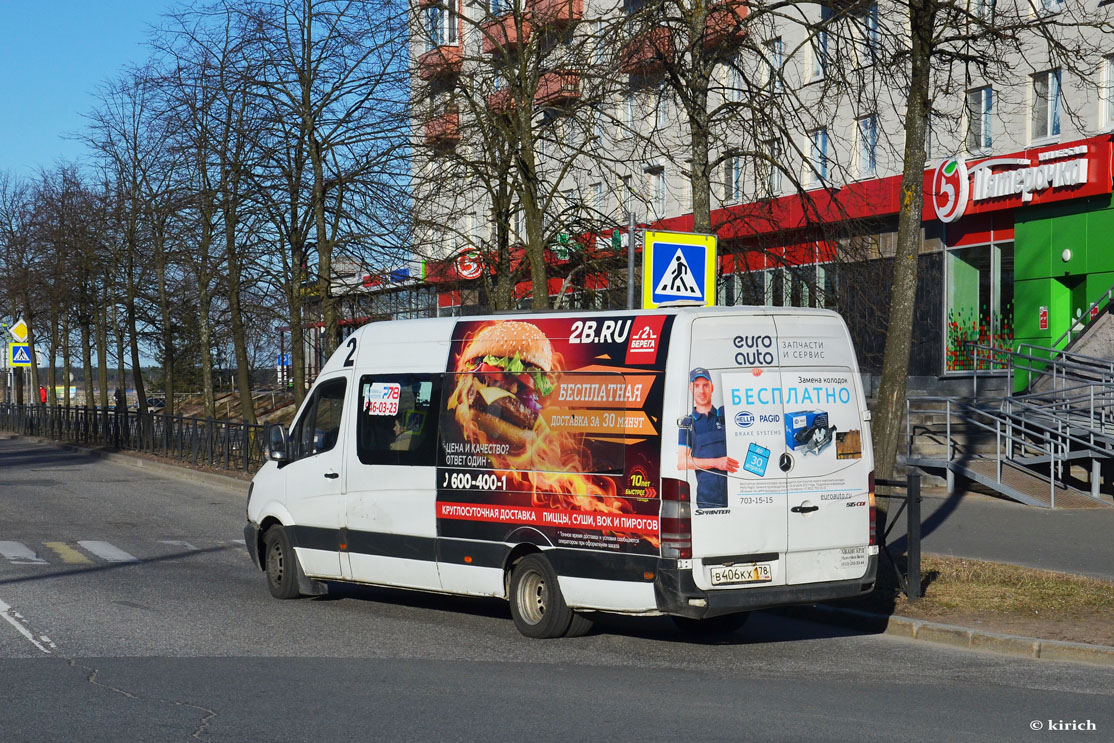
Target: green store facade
{"points": [[1028, 246]]}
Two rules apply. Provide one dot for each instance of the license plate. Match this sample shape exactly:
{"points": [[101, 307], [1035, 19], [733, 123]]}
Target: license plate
{"points": [[755, 572]]}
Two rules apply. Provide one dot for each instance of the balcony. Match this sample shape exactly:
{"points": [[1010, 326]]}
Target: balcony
{"points": [[557, 88], [439, 62], [648, 52], [443, 130], [501, 102], [724, 24], [502, 34], [558, 12]]}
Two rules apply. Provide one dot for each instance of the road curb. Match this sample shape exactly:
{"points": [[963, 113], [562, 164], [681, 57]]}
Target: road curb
{"points": [[161, 468], [953, 636]]}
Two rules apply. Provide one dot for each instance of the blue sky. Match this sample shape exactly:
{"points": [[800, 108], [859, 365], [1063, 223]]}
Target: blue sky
{"points": [[54, 54]]}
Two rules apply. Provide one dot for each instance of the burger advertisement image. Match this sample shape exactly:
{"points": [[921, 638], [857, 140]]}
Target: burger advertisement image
{"points": [[547, 427]]}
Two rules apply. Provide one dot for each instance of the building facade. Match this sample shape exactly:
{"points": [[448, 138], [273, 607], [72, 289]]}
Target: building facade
{"points": [[801, 111]]}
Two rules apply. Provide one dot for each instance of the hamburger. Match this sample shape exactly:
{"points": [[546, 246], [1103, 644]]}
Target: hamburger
{"points": [[506, 371]]}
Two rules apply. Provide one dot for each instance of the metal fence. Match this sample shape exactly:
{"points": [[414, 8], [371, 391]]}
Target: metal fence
{"points": [[221, 444]]}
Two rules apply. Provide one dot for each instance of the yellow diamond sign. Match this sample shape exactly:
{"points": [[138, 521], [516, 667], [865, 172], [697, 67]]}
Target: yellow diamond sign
{"points": [[19, 330]]}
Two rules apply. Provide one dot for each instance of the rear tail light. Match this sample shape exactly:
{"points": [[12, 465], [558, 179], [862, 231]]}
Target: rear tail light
{"points": [[873, 512], [676, 519]]}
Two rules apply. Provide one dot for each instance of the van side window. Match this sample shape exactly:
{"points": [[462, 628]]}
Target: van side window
{"points": [[398, 419], [319, 427]]}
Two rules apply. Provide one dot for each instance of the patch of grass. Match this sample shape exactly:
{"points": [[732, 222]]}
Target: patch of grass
{"points": [[972, 585], [996, 597]]}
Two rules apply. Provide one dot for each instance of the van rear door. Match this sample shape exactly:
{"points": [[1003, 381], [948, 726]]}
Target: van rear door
{"points": [[741, 543], [827, 455]]}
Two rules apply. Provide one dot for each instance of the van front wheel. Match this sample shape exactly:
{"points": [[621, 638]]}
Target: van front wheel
{"points": [[537, 606], [280, 564]]}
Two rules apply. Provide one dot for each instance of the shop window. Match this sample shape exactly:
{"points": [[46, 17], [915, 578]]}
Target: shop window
{"points": [[397, 419], [1046, 105], [978, 302], [980, 106]]}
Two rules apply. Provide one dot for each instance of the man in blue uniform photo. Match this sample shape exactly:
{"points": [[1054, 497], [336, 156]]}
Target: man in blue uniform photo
{"points": [[703, 442]]}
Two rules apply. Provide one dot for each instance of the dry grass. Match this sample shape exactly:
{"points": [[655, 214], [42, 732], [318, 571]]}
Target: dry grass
{"points": [[1002, 598]]}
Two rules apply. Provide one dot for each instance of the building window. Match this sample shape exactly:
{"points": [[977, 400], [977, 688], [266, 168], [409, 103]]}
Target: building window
{"points": [[734, 82], [980, 105], [597, 198], [930, 134], [1108, 89], [866, 29], [1046, 104], [819, 42], [657, 191], [984, 9], [499, 7], [1046, 7], [768, 168], [663, 109], [440, 26], [733, 179], [867, 151], [817, 157], [773, 65]]}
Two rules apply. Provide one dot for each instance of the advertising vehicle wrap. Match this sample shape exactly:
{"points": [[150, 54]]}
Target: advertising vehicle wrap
{"points": [[552, 426]]}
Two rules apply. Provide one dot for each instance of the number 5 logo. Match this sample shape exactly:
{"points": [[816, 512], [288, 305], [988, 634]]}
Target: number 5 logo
{"points": [[950, 189]]}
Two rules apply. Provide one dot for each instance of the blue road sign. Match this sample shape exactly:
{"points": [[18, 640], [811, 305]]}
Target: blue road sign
{"points": [[678, 267], [20, 354]]}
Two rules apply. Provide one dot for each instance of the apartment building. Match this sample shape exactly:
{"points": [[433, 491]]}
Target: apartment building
{"points": [[804, 122]]}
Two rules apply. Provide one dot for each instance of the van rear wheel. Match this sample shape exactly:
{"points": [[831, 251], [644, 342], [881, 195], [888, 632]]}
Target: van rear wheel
{"points": [[280, 564], [537, 606], [724, 624]]}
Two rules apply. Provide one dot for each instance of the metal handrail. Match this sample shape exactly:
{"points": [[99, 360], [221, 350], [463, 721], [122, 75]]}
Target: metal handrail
{"points": [[1054, 450], [1057, 364], [211, 442], [1079, 322]]}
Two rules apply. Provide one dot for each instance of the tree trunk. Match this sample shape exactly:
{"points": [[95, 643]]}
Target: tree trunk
{"points": [[700, 179], [101, 331], [239, 342], [890, 406], [87, 359], [52, 358], [66, 359], [204, 333]]}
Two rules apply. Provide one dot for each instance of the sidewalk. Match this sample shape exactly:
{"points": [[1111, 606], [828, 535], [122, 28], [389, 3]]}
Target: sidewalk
{"points": [[965, 525]]}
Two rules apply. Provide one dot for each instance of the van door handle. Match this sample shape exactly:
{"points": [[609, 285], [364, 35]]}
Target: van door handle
{"points": [[804, 509], [332, 475]]}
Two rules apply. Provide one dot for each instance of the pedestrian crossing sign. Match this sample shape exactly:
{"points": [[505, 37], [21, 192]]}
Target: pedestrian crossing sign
{"points": [[678, 267], [19, 354]]}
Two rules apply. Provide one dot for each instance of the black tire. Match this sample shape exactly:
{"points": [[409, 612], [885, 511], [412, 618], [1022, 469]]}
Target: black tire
{"points": [[721, 626], [280, 564], [581, 625], [537, 606]]}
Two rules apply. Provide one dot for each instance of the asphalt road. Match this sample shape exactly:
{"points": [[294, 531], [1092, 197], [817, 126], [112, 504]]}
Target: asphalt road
{"points": [[132, 613]]}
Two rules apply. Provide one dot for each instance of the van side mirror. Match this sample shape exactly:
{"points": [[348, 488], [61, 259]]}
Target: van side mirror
{"points": [[277, 441]]}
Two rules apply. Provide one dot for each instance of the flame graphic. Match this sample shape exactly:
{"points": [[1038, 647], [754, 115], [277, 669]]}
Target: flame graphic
{"points": [[552, 468]]}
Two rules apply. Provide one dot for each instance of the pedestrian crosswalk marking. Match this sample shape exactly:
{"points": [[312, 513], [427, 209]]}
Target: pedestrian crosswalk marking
{"points": [[68, 554], [107, 552], [20, 554]]}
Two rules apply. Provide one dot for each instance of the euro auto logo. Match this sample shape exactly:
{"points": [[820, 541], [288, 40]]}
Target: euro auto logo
{"points": [[951, 189]]}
